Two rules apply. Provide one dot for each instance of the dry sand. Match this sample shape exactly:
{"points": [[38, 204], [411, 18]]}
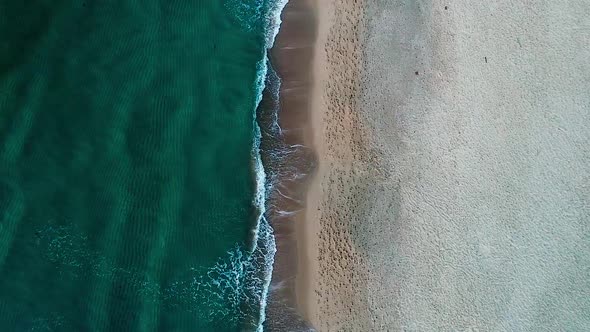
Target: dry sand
{"points": [[332, 277], [453, 189]]}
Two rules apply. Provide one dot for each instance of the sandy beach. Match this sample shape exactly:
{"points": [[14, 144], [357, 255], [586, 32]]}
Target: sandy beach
{"points": [[452, 190], [290, 159], [332, 276]]}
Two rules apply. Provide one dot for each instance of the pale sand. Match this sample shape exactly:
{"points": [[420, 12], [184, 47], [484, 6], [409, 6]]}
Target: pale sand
{"points": [[457, 198]]}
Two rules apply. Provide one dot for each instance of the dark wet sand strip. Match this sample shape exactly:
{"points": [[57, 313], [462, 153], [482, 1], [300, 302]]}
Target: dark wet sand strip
{"points": [[291, 57]]}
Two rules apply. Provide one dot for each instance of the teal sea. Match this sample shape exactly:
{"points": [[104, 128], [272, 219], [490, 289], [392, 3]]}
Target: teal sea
{"points": [[131, 188]]}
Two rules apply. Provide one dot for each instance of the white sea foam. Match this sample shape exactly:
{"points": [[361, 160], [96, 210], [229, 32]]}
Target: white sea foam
{"points": [[244, 276], [263, 227]]}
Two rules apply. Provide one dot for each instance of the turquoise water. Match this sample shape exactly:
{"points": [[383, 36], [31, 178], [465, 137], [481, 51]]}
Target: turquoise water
{"points": [[130, 184]]}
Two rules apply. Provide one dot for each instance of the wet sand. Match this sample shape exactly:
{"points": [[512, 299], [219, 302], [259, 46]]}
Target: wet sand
{"points": [[290, 157]]}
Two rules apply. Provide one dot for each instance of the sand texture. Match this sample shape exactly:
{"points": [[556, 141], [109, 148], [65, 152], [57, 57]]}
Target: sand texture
{"points": [[332, 279], [453, 188]]}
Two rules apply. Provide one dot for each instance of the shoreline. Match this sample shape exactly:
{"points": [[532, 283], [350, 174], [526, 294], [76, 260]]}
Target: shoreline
{"points": [[291, 159], [317, 55], [335, 131]]}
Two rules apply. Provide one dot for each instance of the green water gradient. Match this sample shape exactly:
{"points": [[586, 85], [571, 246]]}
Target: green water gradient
{"points": [[126, 132]]}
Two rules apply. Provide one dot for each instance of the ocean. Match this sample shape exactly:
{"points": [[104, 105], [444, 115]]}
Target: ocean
{"points": [[132, 191]]}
